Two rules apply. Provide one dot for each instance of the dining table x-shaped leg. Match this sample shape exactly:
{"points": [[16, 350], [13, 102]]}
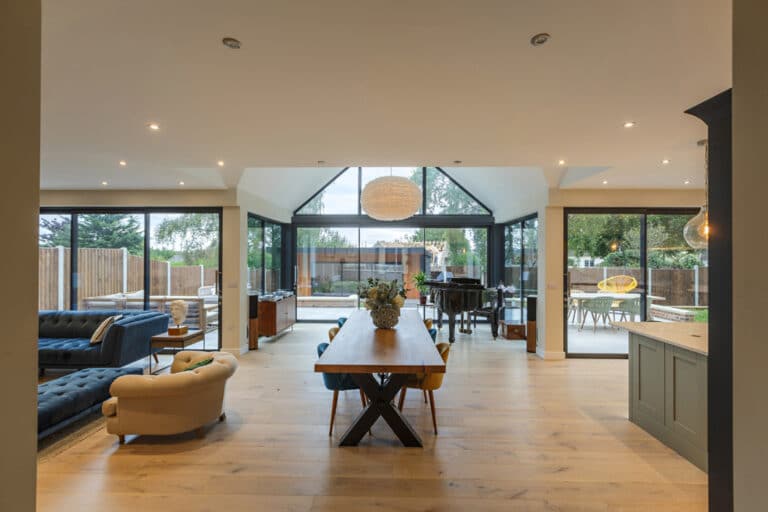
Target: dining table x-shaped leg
{"points": [[380, 404]]}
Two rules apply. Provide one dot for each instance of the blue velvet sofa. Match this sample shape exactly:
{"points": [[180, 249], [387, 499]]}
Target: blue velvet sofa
{"points": [[64, 338], [67, 399]]}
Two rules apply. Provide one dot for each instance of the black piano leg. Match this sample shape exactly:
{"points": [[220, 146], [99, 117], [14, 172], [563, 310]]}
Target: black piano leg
{"points": [[451, 328], [439, 318], [495, 325]]}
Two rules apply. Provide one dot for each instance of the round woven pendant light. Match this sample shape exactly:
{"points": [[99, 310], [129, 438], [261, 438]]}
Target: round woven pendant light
{"points": [[391, 198]]}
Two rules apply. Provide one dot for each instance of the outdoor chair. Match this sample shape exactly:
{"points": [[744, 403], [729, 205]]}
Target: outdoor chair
{"points": [[599, 308], [617, 284], [629, 308]]}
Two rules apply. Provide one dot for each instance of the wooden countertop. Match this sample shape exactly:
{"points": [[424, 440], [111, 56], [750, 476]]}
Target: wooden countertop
{"points": [[691, 336]]}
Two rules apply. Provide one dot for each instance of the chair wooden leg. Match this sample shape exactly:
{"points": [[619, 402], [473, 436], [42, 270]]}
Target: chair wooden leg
{"points": [[333, 410], [223, 416], [362, 399], [402, 399], [432, 406], [425, 396], [157, 360], [121, 439]]}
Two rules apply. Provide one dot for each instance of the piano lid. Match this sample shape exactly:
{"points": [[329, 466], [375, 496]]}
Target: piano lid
{"points": [[466, 283]]}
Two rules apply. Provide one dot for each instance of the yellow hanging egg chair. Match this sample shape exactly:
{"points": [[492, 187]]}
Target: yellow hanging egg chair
{"points": [[617, 284]]}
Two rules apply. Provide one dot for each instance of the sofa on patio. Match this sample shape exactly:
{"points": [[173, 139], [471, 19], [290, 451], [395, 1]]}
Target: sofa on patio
{"points": [[64, 338], [202, 311]]}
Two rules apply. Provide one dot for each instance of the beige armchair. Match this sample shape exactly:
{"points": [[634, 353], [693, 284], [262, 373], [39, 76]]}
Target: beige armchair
{"points": [[173, 403]]}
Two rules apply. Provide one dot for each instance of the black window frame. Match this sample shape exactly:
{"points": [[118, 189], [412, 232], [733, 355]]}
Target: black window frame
{"points": [[74, 213]]}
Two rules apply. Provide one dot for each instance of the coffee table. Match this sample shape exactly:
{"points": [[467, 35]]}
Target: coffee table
{"points": [[180, 341]]}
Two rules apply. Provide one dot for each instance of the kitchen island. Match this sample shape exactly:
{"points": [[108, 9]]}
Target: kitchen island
{"points": [[668, 384]]}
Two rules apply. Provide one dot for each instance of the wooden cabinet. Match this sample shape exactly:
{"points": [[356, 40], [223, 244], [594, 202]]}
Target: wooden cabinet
{"points": [[668, 395], [277, 316]]}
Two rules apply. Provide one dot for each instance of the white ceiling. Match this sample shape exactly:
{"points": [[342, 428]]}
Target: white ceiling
{"points": [[358, 82]]}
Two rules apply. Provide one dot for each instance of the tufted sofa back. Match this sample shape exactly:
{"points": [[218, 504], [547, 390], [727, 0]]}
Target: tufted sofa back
{"points": [[71, 324]]}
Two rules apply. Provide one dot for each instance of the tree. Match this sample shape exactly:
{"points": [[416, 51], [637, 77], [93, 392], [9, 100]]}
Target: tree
{"points": [[95, 230], [195, 234]]}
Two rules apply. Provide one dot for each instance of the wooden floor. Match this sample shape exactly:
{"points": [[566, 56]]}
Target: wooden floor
{"points": [[516, 433]]}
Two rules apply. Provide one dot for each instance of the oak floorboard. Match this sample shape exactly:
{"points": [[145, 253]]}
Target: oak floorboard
{"points": [[516, 433]]}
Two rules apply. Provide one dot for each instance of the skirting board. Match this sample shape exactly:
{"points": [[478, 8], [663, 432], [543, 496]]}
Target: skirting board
{"points": [[550, 356]]}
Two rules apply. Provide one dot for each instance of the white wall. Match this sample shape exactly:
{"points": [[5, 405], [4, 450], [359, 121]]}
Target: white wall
{"points": [[20, 150], [750, 245]]}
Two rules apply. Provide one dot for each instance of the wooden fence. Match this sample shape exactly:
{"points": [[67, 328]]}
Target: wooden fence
{"points": [[678, 286], [109, 271]]}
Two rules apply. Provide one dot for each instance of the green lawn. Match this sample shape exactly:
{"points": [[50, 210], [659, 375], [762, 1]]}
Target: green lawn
{"points": [[702, 316]]}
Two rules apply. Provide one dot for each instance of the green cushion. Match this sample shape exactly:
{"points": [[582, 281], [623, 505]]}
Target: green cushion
{"points": [[202, 362]]}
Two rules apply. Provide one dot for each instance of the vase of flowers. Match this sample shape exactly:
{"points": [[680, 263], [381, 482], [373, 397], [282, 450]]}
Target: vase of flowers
{"points": [[384, 300]]}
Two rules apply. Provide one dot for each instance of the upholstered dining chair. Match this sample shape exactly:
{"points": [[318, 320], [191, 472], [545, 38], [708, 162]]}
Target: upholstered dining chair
{"points": [[337, 382], [332, 332], [341, 321], [432, 331], [427, 382]]}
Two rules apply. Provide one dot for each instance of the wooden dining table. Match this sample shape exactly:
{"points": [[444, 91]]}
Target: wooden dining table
{"points": [[380, 361]]}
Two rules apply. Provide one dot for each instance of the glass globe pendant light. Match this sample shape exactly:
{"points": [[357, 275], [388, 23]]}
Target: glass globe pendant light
{"points": [[696, 232]]}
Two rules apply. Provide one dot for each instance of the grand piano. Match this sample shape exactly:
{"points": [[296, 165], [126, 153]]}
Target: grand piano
{"points": [[457, 296]]}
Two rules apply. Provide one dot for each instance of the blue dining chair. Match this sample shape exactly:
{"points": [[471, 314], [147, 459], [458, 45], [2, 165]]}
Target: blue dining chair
{"points": [[337, 382], [341, 321], [433, 334]]}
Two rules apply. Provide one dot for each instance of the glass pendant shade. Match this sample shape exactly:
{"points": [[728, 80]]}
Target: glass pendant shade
{"points": [[391, 198], [696, 231]]}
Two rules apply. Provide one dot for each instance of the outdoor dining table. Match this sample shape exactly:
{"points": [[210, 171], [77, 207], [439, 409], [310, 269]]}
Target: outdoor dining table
{"points": [[365, 352], [578, 297]]}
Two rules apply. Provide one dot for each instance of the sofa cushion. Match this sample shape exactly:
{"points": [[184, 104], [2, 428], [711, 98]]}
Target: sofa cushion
{"points": [[62, 350], [101, 330], [71, 324], [67, 396]]}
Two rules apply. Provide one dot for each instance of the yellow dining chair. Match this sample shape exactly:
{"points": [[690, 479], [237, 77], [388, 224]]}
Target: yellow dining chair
{"points": [[427, 382], [428, 323], [332, 332]]}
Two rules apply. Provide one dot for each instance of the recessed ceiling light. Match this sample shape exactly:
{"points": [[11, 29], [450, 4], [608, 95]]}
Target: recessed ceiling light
{"points": [[181, 183], [457, 162], [231, 42], [540, 39], [561, 162], [687, 182], [122, 163], [104, 183], [605, 182], [220, 163], [153, 126], [320, 162], [665, 161], [630, 124]]}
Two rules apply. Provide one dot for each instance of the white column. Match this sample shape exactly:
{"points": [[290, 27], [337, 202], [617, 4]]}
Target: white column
{"points": [[168, 277], [695, 285], [125, 270], [202, 276], [60, 299]]}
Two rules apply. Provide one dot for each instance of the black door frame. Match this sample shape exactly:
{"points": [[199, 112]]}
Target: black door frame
{"points": [[643, 212]]}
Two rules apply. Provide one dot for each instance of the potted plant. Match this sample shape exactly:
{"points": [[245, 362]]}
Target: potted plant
{"points": [[419, 279], [384, 300]]}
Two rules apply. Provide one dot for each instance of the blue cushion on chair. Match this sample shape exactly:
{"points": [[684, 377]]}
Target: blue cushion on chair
{"points": [[341, 321], [336, 381]]}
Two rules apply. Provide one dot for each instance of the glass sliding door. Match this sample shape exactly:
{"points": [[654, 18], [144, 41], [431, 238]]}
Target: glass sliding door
{"points": [[605, 280], [677, 274], [54, 290], [520, 266], [393, 254], [184, 265], [456, 252], [328, 272], [110, 261], [272, 256], [255, 254]]}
